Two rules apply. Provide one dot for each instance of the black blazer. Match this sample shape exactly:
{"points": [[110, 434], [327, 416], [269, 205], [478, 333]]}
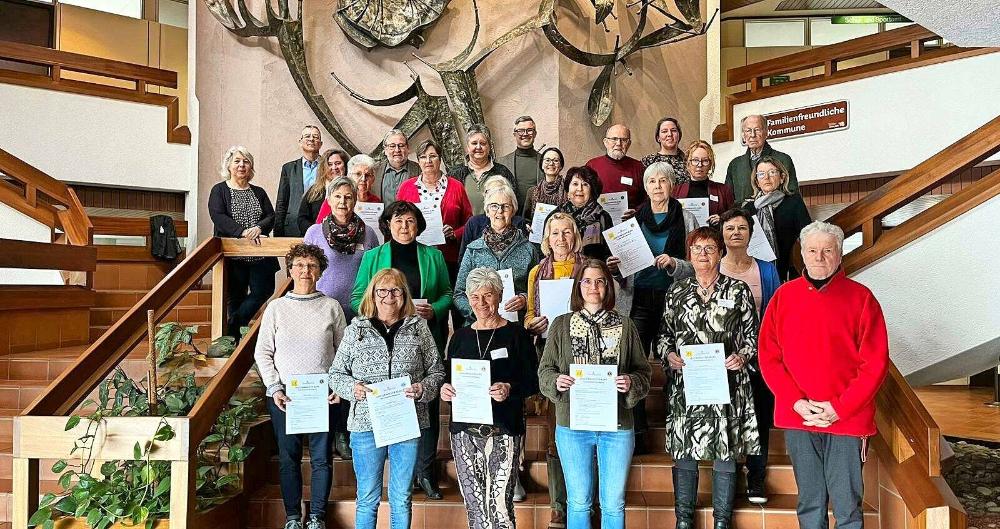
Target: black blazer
{"points": [[220, 208], [286, 207], [308, 211], [789, 218]]}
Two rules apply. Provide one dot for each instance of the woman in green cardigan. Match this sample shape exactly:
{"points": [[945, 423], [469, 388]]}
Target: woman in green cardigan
{"points": [[427, 276]]}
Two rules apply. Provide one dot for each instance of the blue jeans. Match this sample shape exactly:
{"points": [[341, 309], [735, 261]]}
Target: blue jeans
{"points": [[290, 470], [369, 462], [614, 454]]}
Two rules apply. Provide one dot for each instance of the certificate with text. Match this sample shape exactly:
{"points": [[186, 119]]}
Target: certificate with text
{"points": [[308, 411], [507, 278], [433, 235], [706, 381], [393, 415], [553, 299], [615, 204], [538, 221], [472, 402], [370, 212], [627, 243], [698, 207], [759, 246], [593, 398]]}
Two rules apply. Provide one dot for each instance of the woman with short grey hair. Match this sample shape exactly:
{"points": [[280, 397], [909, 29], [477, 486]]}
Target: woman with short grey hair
{"points": [[479, 166], [486, 455]]}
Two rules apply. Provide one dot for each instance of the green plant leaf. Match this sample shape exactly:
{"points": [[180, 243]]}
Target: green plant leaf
{"points": [[164, 433], [64, 480], [47, 500], [49, 524], [72, 422], [137, 451], [59, 466], [227, 480], [108, 468], [93, 517], [214, 438], [67, 505], [40, 516], [163, 487]]}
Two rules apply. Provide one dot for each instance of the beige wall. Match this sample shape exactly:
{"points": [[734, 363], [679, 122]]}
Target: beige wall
{"points": [[246, 95], [121, 38]]}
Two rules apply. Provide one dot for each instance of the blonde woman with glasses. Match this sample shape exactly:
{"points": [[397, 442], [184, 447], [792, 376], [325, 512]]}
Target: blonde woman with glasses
{"points": [[700, 167]]}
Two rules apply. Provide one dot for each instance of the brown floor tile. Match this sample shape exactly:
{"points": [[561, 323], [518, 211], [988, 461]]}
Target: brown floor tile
{"points": [[656, 479], [524, 516], [448, 515], [29, 370], [638, 518]]}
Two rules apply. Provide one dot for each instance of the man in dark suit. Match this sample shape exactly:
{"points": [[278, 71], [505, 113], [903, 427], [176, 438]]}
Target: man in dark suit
{"points": [[396, 168], [296, 177]]}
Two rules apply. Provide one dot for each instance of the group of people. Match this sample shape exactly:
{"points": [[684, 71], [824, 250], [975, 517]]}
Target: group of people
{"points": [[805, 354]]}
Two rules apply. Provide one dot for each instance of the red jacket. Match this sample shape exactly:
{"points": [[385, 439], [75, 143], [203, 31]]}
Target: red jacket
{"points": [[720, 196], [455, 211], [621, 175], [826, 345]]}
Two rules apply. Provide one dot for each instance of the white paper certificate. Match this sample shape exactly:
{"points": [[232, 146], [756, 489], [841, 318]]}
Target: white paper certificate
{"points": [[759, 247], [308, 411], [472, 402], [705, 378], [538, 221], [593, 398], [394, 417], [698, 207], [370, 212], [627, 243], [553, 299], [615, 204], [507, 277], [434, 234]]}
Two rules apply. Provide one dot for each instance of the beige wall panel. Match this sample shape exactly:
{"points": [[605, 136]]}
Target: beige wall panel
{"points": [[732, 34], [861, 61], [732, 58], [755, 55], [105, 35], [173, 56], [248, 97]]}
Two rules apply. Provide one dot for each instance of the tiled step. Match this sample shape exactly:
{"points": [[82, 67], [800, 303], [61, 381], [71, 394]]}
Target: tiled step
{"points": [[18, 394], [108, 316], [114, 298], [643, 510], [48, 364], [204, 329]]}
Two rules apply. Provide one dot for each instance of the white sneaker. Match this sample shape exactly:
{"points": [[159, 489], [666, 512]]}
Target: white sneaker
{"points": [[315, 523], [293, 524]]}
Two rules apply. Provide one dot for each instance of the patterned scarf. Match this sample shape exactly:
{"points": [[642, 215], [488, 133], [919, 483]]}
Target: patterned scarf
{"points": [[553, 193], [344, 239], [589, 213], [546, 270], [595, 339], [499, 242], [765, 204]]}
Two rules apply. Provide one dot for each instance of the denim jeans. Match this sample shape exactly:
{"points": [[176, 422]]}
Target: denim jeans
{"points": [[614, 454], [290, 470], [369, 462]]}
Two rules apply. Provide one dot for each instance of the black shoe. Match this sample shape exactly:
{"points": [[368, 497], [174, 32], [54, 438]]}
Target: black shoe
{"points": [[342, 445], [430, 488], [756, 493], [723, 494], [641, 446], [685, 496], [519, 492]]}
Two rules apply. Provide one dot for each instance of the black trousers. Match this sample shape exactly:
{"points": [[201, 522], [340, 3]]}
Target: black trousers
{"points": [[763, 402], [250, 284], [647, 315], [427, 447]]}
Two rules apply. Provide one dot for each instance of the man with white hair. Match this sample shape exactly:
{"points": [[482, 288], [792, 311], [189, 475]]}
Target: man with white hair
{"points": [[296, 177], [396, 168], [824, 352], [738, 174], [617, 170]]}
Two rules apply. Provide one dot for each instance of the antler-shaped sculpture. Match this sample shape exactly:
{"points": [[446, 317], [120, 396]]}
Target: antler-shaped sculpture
{"points": [[601, 99], [288, 31]]}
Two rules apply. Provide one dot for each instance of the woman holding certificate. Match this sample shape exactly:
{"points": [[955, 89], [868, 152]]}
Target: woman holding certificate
{"points": [[503, 248], [701, 165], [292, 357], [492, 368], [708, 335], [781, 214], [583, 186], [592, 355], [388, 342], [427, 280], [552, 190]]}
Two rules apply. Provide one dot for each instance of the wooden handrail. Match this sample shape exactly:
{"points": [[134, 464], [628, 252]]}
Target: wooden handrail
{"points": [[828, 57], [75, 62], [60, 61]]}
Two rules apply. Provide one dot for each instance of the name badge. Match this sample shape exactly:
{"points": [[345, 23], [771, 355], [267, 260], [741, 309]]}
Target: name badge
{"points": [[727, 303], [713, 198], [627, 180], [497, 354]]}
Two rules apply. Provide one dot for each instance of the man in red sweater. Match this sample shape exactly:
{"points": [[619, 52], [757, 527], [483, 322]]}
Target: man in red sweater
{"points": [[619, 172], [824, 352]]}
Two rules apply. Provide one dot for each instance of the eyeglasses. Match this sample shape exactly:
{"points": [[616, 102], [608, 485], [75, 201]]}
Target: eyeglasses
{"points": [[395, 146], [524, 132], [753, 132], [428, 157], [707, 250], [305, 266], [700, 162], [772, 173], [600, 282], [495, 208], [310, 136], [383, 293], [550, 161], [623, 141]]}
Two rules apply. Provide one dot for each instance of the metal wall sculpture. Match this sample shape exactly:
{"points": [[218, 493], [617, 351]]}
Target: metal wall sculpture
{"points": [[461, 106], [372, 23]]}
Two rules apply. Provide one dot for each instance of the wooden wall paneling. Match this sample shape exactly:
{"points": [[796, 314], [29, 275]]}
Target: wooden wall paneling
{"points": [[18, 297], [45, 256]]}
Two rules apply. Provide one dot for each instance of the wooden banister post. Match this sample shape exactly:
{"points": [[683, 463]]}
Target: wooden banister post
{"points": [[182, 488], [55, 72], [916, 48], [871, 230], [755, 84], [219, 298], [25, 490], [830, 67], [31, 194]]}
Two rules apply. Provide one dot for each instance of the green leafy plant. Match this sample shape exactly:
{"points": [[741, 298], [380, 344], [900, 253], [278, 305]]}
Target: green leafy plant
{"points": [[135, 492]]}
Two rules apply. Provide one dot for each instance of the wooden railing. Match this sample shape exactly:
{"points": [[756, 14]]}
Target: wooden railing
{"points": [[829, 58], [38, 431], [50, 202], [62, 61]]}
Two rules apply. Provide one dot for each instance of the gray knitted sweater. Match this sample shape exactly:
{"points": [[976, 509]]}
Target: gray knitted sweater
{"points": [[364, 357]]}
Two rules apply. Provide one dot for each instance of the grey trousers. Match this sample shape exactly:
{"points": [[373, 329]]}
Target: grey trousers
{"points": [[827, 468]]}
